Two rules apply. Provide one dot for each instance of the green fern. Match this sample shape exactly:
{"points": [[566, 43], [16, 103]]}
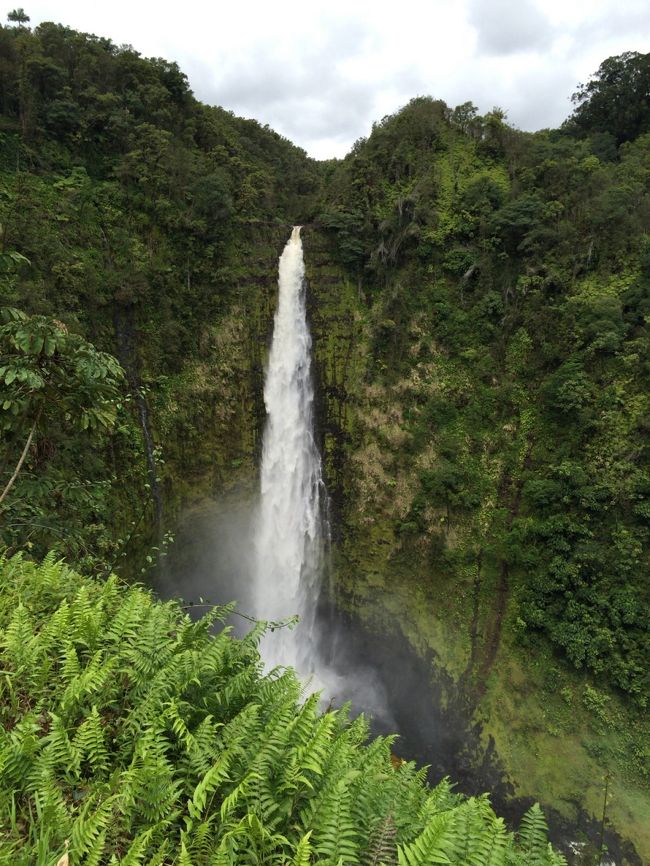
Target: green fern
{"points": [[533, 836], [381, 847], [210, 782], [303, 851], [136, 853], [88, 745], [143, 739], [336, 835], [433, 844], [481, 836], [91, 825]]}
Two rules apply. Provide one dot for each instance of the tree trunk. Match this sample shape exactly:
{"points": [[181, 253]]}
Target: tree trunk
{"points": [[19, 466]]}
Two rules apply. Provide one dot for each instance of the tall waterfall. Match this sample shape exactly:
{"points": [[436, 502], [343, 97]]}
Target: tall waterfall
{"points": [[289, 535]]}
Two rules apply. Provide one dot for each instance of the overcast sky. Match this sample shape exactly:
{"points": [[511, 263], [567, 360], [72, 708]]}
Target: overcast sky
{"points": [[321, 71]]}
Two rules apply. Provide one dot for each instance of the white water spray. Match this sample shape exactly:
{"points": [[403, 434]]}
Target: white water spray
{"points": [[289, 536]]}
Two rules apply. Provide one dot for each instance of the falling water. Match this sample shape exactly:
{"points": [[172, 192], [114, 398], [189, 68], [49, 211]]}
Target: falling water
{"points": [[289, 536]]}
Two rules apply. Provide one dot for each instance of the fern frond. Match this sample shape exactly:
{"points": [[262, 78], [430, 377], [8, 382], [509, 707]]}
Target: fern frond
{"points": [[88, 744], [60, 751], [336, 835], [302, 852], [533, 835], [138, 849], [482, 839], [209, 784], [382, 848], [236, 796], [184, 858], [432, 845], [94, 855], [90, 826], [313, 755], [19, 641]]}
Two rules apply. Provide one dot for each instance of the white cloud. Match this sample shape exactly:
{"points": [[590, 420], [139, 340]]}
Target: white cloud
{"points": [[504, 27], [321, 72]]}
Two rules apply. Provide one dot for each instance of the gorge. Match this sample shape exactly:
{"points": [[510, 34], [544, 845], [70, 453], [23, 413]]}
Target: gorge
{"points": [[477, 299]]}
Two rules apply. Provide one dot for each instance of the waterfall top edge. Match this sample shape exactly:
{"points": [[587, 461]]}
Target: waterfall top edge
{"points": [[295, 234]]}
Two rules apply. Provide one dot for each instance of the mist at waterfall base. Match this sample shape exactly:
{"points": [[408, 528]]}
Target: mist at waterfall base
{"points": [[213, 562], [378, 672]]}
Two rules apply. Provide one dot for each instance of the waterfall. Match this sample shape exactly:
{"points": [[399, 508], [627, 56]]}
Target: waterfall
{"points": [[289, 535]]}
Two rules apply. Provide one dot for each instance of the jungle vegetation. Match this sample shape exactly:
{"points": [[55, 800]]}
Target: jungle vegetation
{"points": [[509, 276], [131, 734], [496, 427]]}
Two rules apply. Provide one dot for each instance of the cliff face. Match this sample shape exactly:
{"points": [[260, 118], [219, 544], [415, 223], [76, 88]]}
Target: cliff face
{"points": [[419, 563], [480, 436], [412, 565], [150, 224]]}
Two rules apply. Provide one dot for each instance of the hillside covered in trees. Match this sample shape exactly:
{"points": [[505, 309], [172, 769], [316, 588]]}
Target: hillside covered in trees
{"points": [[479, 301], [137, 217], [509, 278]]}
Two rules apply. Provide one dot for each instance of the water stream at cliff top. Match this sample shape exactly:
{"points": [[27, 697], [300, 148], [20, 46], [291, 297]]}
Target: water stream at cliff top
{"points": [[289, 534]]}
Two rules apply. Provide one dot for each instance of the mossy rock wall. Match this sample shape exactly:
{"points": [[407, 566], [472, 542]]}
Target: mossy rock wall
{"points": [[439, 586]]}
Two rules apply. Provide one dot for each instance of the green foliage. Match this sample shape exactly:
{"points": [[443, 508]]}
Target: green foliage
{"points": [[141, 736], [53, 377], [485, 381], [615, 101], [60, 399], [18, 16], [507, 282], [140, 220]]}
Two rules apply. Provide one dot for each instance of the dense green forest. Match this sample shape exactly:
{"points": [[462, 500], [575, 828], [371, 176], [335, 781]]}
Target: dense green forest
{"points": [[479, 300], [489, 419], [133, 215], [514, 273]]}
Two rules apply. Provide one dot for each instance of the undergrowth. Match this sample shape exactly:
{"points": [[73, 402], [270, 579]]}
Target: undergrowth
{"points": [[131, 734]]}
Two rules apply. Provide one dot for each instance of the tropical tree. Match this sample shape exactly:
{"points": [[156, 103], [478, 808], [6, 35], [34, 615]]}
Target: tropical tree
{"points": [[51, 380], [18, 16], [616, 99]]}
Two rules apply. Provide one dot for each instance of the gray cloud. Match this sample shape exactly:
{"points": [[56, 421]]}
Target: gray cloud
{"points": [[627, 20], [539, 102], [305, 96], [313, 101], [505, 27]]}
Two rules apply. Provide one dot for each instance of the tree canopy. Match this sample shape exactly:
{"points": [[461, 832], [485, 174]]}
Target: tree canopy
{"points": [[616, 100]]}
